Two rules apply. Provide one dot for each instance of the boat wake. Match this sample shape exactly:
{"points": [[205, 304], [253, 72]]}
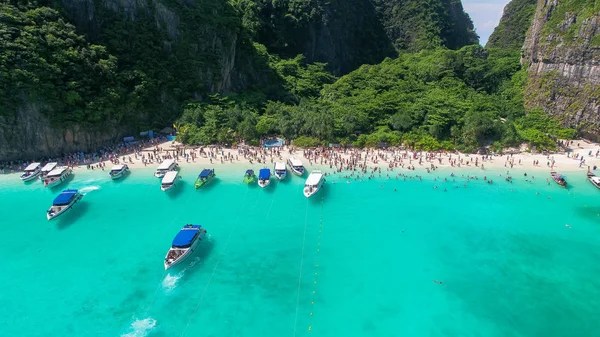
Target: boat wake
{"points": [[170, 281], [141, 327], [88, 189]]}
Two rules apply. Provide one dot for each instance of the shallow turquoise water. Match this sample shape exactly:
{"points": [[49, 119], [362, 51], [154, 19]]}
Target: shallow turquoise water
{"points": [[358, 260]]}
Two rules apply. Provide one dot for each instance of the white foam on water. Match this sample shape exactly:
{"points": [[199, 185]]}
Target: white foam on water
{"points": [[170, 281], [88, 189], [141, 327]]}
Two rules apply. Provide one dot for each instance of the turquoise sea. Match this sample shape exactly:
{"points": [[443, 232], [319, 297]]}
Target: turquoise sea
{"points": [[360, 259]]}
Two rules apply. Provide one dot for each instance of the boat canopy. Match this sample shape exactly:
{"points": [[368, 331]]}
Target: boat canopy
{"points": [[165, 165], [64, 198], [57, 171], [205, 173], [32, 167], [264, 174], [49, 167], [169, 177], [279, 166], [117, 167], [186, 236], [314, 178], [249, 172], [295, 162]]}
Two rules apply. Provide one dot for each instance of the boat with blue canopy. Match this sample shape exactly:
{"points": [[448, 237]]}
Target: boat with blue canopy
{"points": [[184, 244], [204, 177], [249, 177], [264, 177], [63, 202]]}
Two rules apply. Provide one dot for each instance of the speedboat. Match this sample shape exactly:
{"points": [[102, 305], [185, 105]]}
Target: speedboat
{"points": [[169, 180], [249, 177], [296, 166], [558, 178], [595, 180], [184, 244], [118, 171], [164, 167], [57, 176], [264, 177], [47, 169], [313, 184], [204, 177], [31, 171], [63, 202], [280, 170]]}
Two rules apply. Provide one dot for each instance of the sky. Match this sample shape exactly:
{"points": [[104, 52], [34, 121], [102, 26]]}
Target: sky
{"points": [[485, 15]]}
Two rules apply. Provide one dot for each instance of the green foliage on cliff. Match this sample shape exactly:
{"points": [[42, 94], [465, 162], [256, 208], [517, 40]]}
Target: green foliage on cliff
{"points": [[424, 24], [438, 99], [516, 20], [567, 17], [44, 60]]}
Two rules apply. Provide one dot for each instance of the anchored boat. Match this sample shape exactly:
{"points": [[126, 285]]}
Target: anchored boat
{"points": [[264, 177], [313, 184], [595, 180], [204, 177], [31, 171], [169, 180], [63, 202], [118, 171], [558, 178], [249, 177], [280, 170], [184, 244], [57, 176], [164, 167], [296, 166], [47, 169]]}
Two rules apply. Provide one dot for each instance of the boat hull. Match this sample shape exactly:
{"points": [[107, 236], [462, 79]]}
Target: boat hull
{"points": [[58, 181], [264, 183], [280, 176], [297, 172], [30, 177], [119, 175], [249, 180], [56, 214], [310, 192]]}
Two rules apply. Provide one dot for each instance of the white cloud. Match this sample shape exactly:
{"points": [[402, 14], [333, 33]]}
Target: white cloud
{"points": [[485, 15]]}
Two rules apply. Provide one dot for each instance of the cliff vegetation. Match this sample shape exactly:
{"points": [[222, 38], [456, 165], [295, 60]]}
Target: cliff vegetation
{"points": [[516, 20]]}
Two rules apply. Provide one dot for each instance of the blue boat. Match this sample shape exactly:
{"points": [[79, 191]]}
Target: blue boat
{"points": [[264, 177], [63, 202], [184, 244]]}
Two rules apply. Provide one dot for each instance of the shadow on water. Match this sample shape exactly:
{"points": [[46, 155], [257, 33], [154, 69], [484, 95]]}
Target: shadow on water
{"points": [[177, 190], [71, 216]]}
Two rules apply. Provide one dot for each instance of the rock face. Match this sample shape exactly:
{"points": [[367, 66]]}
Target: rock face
{"points": [[562, 55], [28, 135]]}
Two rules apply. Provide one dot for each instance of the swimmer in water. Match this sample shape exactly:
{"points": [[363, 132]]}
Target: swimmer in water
{"points": [[567, 225], [438, 282]]}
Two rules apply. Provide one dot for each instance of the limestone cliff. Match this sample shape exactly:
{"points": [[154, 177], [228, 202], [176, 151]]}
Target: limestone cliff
{"points": [[562, 55], [516, 20]]}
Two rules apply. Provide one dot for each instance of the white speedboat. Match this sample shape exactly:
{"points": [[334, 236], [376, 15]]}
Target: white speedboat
{"points": [[31, 171], [118, 171], [47, 169], [63, 202], [296, 166], [184, 244], [280, 170], [57, 176], [169, 180], [595, 180], [313, 184], [264, 177], [164, 167]]}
